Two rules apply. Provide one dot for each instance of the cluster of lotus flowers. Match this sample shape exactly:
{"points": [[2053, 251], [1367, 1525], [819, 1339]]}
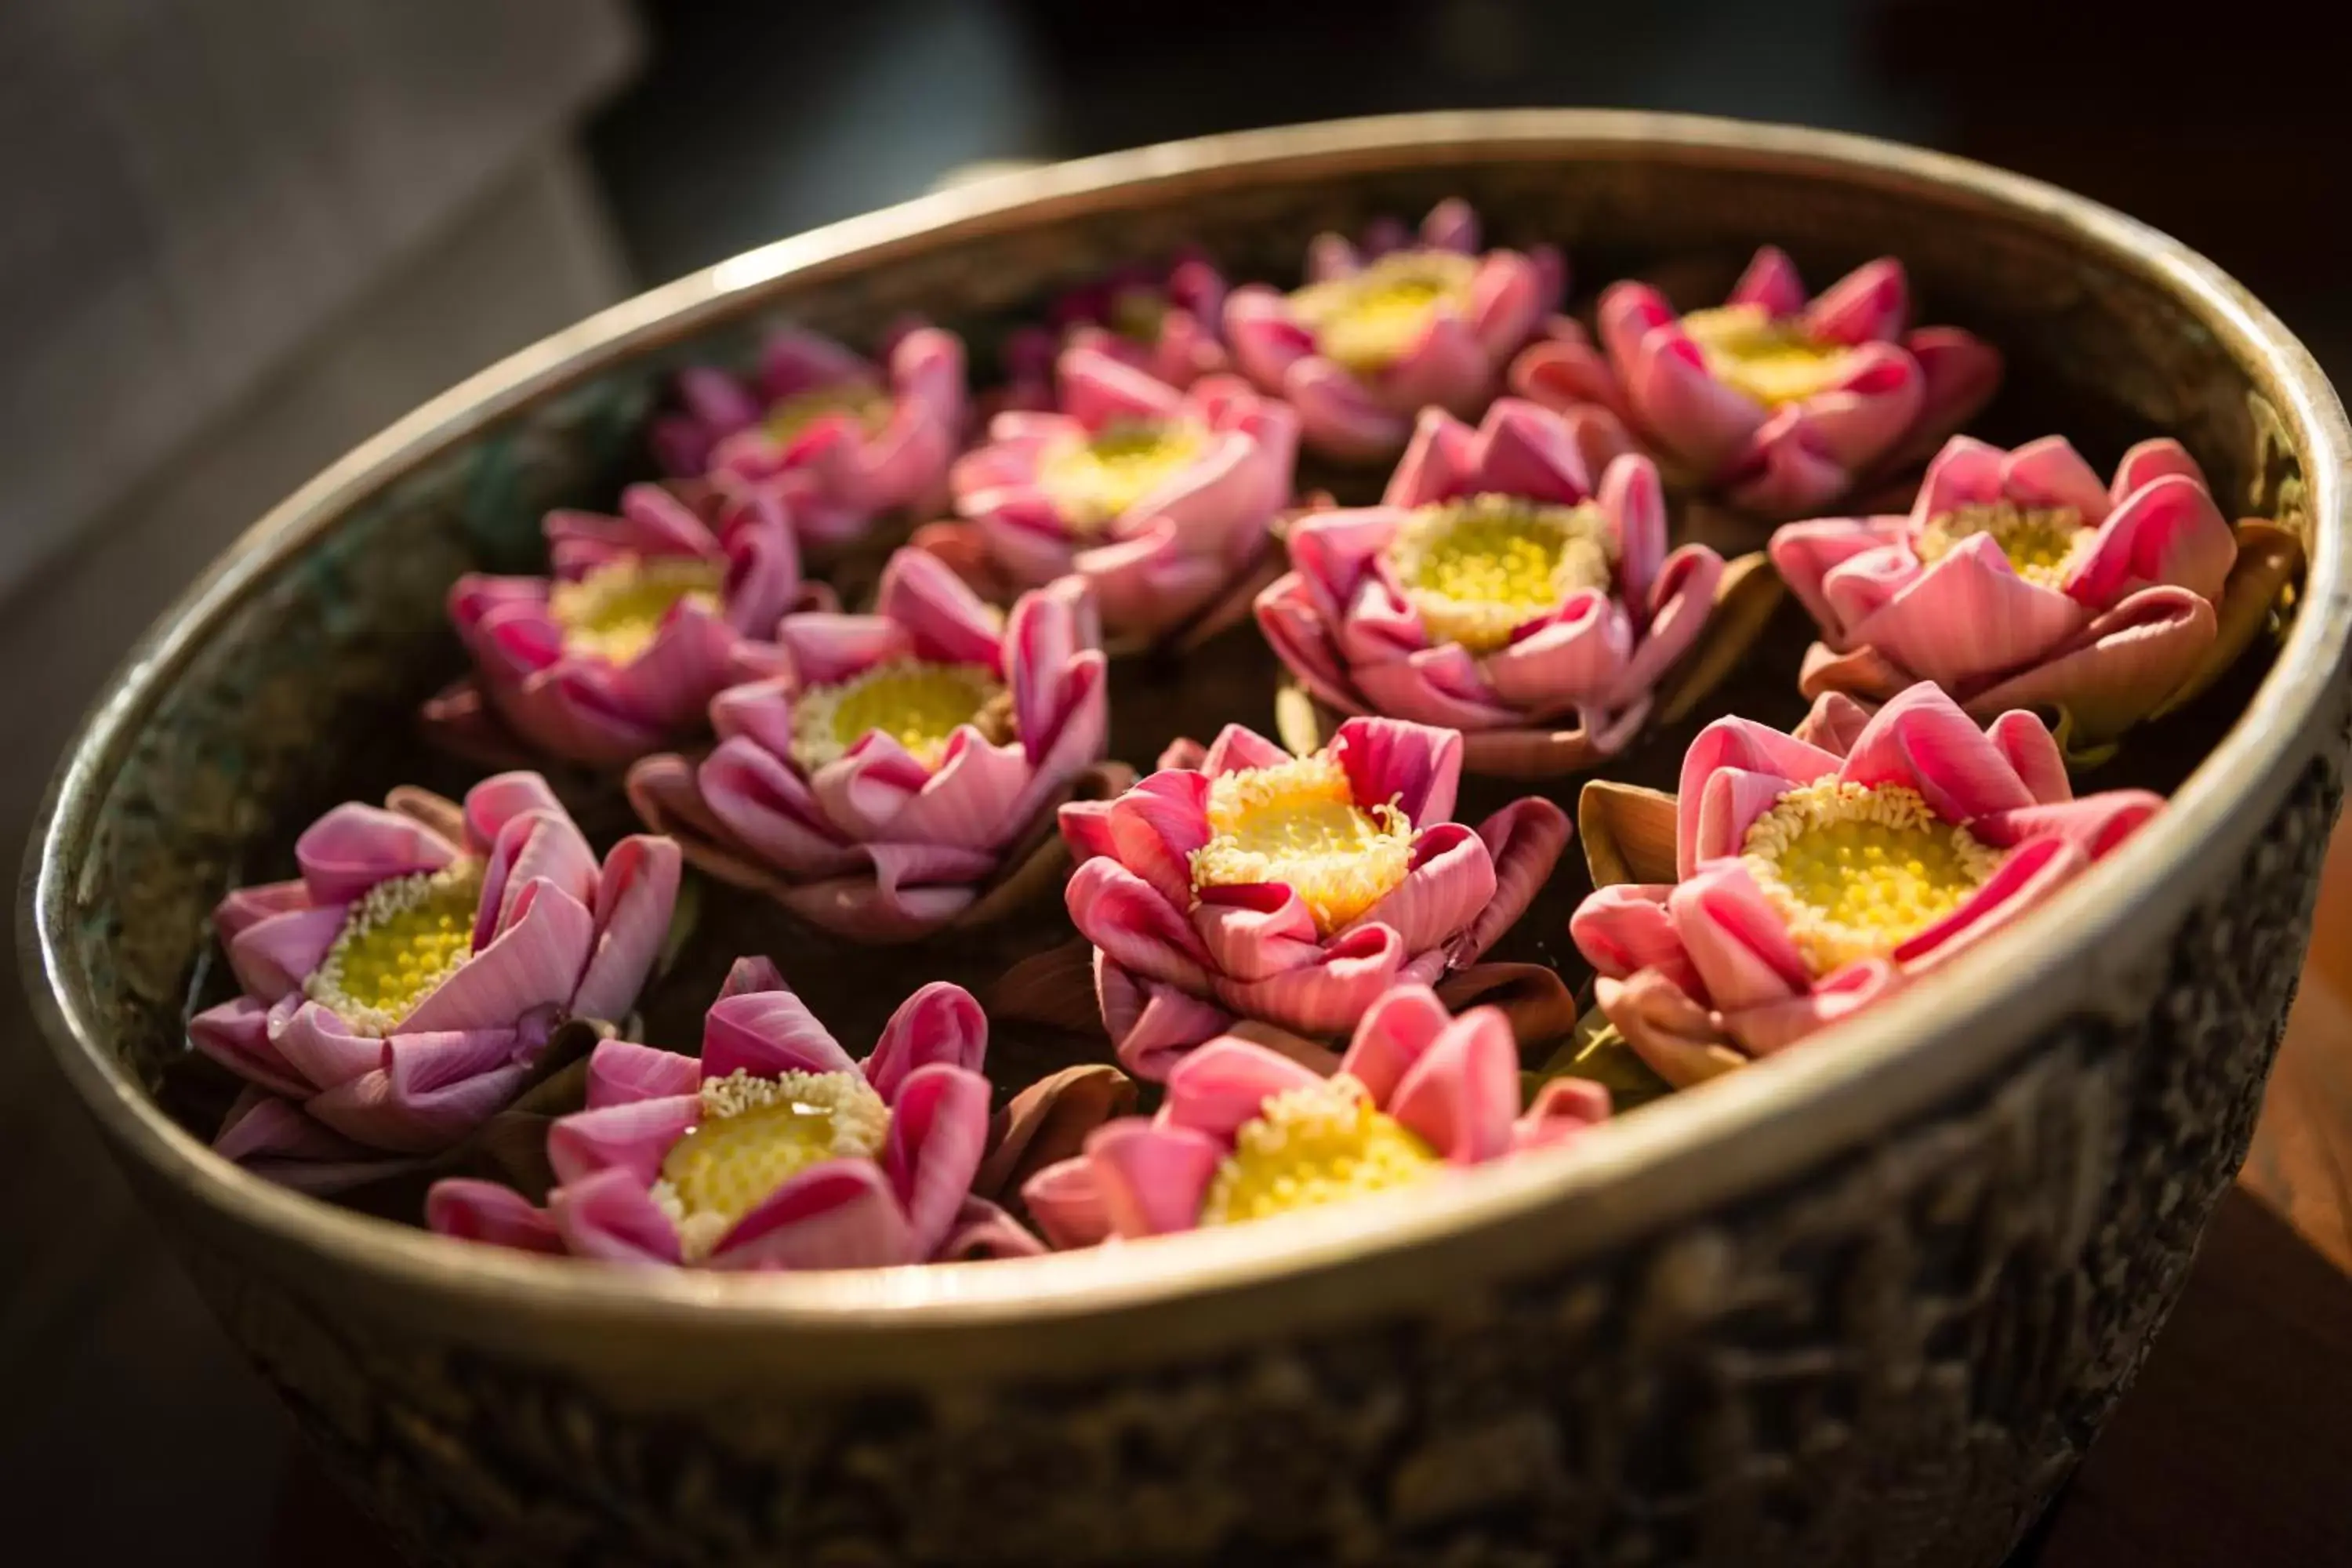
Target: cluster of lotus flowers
{"points": [[1284, 941]]}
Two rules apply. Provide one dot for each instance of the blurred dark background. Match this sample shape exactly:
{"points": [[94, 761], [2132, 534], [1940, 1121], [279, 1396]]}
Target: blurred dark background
{"points": [[239, 237]]}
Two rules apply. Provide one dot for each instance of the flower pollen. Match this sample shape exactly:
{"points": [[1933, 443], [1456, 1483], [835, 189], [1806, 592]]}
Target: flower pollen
{"points": [[754, 1135], [1093, 480], [1477, 569], [2041, 543], [1856, 870], [1372, 318], [916, 703], [1775, 361], [789, 418], [399, 942], [615, 610], [1297, 823], [1307, 1147]]}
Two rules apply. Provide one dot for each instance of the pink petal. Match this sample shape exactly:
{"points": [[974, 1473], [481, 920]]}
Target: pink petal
{"points": [[2149, 461], [946, 620], [1448, 368], [1776, 1026], [1576, 660], [1966, 472], [1338, 415], [1738, 743], [1225, 1083], [354, 846], [2050, 473], [499, 799], [623, 1072], [1633, 500], [1506, 301], [1451, 879], [1836, 721], [1394, 1033], [2094, 825], [1134, 924], [838, 1215], [1958, 375], [1922, 740], [764, 1034], [538, 847], [1868, 304], [1807, 554], [2026, 742], [1524, 840], [1064, 1202], [1417, 767], [1255, 931], [1267, 341], [1238, 749], [611, 1217], [828, 648], [272, 958], [767, 805], [431, 1089], [1736, 941], [1563, 371], [317, 1044], [1682, 602], [237, 1035], [1463, 1095], [1097, 389], [1152, 1180], [1626, 927], [1441, 686], [635, 1136], [242, 907], [1969, 616], [1771, 282], [536, 962], [2030, 873], [1153, 1024], [940, 1025], [1326, 997], [635, 895], [490, 1214], [938, 1131], [2168, 533], [1728, 806]]}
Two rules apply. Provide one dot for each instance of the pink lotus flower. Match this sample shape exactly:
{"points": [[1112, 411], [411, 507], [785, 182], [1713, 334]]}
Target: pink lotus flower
{"points": [[395, 994], [1246, 1134], [774, 1150], [2019, 580], [647, 617], [822, 430], [910, 759], [1163, 321], [1781, 404], [1159, 500], [1377, 335], [1810, 876], [1494, 590], [1292, 890]]}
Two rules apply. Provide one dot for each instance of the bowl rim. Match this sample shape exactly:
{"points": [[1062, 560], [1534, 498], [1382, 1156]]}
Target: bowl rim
{"points": [[1628, 1176]]}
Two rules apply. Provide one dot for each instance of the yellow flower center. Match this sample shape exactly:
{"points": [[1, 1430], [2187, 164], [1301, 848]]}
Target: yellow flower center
{"points": [[754, 1135], [919, 704], [1096, 479], [1773, 362], [1856, 870], [1369, 319], [1298, 823], [1477, 569], [2040, 541], [614, 612], [1307, 1147], [401, 940], [787, 417]]}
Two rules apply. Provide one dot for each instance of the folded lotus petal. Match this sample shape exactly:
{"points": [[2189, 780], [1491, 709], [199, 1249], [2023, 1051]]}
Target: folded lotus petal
{"points": [[1576, 660], [1864, 673], [1154, 828], [1736, 941], [534, 963], [1728, 805], [1073, 739], [1151, 1023], [1969, 616], [1251, 931], [938, 1129], [938, 1026], [1064, 1202], [1769, 282], [1626, 927], [2168, 533], [1875, 402], [1809, 556], [1024, 534], [793, 361], [1868, 304], [1048, 629], [1447, 368], [236, 1034], [1675, 1037], [1135, 927], [764, 1034], [1097, 389], [1147, 584], [1785, 469], [1327, 996], [1267, 341], [1085, 827], [718, 399], [1563, 371], [478, 601], [1559, 1109], [272, 957], [2094, 825], [1836, 721], [431, 1090], [2023, 739], [1922, 740], [490, 1214], [1228, 492], [1682, 601], [947, 621], [241, 908], [1152, 1179], [1395, 1032], [635, 1136], [667, 686], [1301, 637], [1416, 768], [1238, 749], [310, 1038], [878, 791], [354, 846], [765, 805], [980, 1231], [908, 890], [262, 1129], [1463, 1095], [2050, 473], [2149, 461], [1443, 686], [538, 847], [499, 799], [1634, 502], [1776, 1026], [571, 711], [1958, 375], [623, 1072], [1451, 879], [1226, 1082], [1440, 461], [2030, 873], [1507, 299], [1735, 742], [1866, 583], [827, 649], [634, 897], [611, 1217], [1699, 418], [1338, 416]]}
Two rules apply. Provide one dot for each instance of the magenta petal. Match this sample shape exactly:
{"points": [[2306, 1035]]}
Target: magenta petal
{"points": [[2029, 873], [1326, 998], [838, 1215], [1463, 1095], [431, 1090], [1922, 740], [1152, 1180], [1097, 389], [1394, 1034], [1735, 742], [1451, 879], [1134, 925], [947, 620], [262, 1129], [1770, 282], [490, 1214], [2168, 533], [1775, 1025], [1338, 416], [938, 1131], [766, 804], [1064, 1202], [536, 962], [2094, 825], [1416, 766], [940, 1025], [237, 1035], [1626, 927], [1225, 1083], [242, 907], [1237, 749], [635, 1136], [827, 649], [611, 1217], [1682, 603], [1154, 828], [1438, 464], [354, 846], [2026, 742], [635, 895], [272, 957], [1633, 500], [1806, 554], [767, 1032], [1266, 341], [1737, 941], [313, 1040], [541, 846], [1256, 930], [1868, 304], [1969, 616], [1153, 1024], [622, 1072], [1576, 661]]}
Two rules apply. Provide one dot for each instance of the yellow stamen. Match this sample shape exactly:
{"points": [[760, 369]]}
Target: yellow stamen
{"points": [[1477, 569], [400, 942], [1856, 870], [786, 418], [754, 1135], [1773, 362], [2040, 541], [1094, 479], [1298, 823], [1369, 319], [1308, 1147], [614, 612], [919, 704]]}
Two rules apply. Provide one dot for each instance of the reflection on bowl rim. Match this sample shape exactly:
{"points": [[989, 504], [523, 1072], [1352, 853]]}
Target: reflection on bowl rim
{"points": [[1676, 1159]]}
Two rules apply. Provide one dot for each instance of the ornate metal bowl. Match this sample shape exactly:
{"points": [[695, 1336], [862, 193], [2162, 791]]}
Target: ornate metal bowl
{"points": [[1862, 1303]]}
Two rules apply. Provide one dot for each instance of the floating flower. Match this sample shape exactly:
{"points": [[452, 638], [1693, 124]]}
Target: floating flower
{"points": [[1496, 591], [824, 431], [775, 1150], [1292, 890], [1159, 500], [2020, 581], [1781, 404], [397, 992], [1796, 880], [647, 616], [1376, 335], [909, 765], [1245, 1133], [1164, 320]]}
